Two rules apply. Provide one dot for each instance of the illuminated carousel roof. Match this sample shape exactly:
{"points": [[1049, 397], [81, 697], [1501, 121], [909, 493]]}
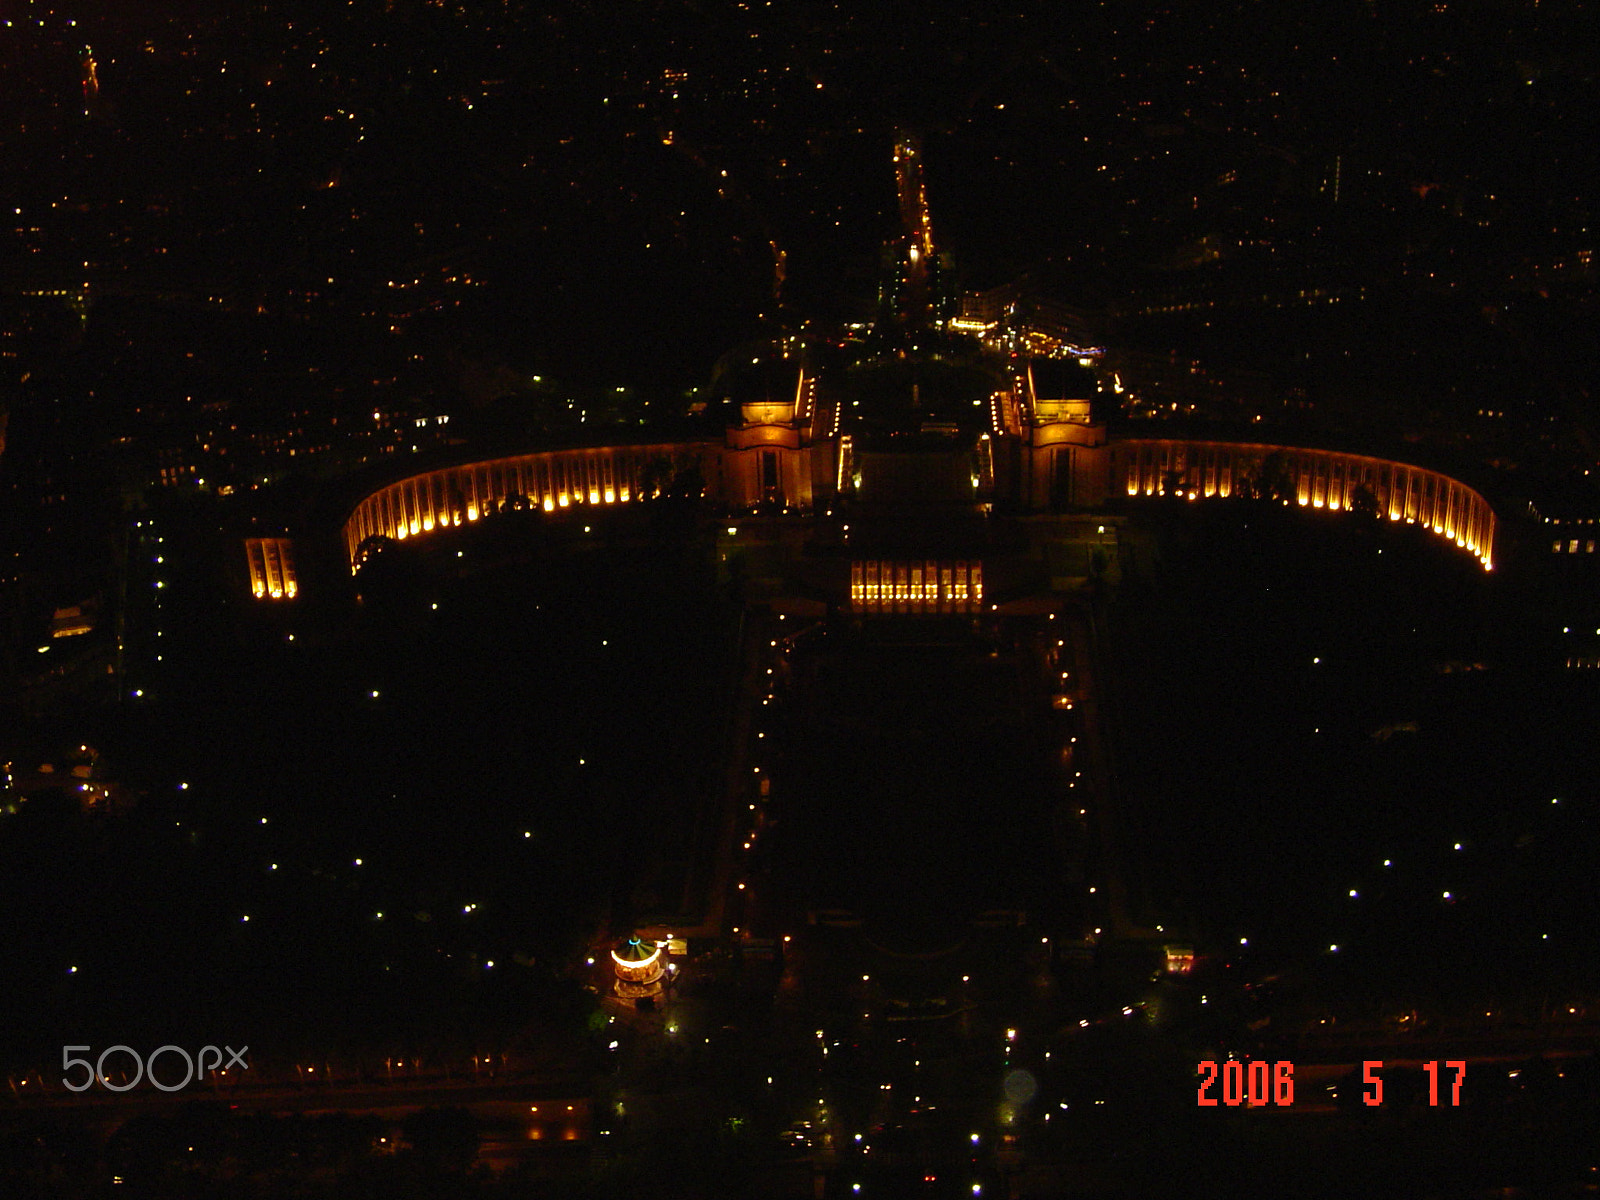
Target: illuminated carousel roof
{"points": [[634, 953], [637, 960], [638, 967]]}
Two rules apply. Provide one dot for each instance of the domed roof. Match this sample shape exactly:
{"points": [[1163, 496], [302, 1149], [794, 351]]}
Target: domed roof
{"points": [[633, 952]]}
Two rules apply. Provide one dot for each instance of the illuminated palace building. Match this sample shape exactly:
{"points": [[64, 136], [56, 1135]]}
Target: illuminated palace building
{"points": [[907, 501], [878, 487]]}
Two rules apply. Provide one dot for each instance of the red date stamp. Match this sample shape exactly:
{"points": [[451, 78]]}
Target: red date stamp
{"points": [[1257, 1083]]}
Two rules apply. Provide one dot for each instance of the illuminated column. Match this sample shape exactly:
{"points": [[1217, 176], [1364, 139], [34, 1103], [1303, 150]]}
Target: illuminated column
{"points": [[258, 569], [285, 553], [271, 571]]}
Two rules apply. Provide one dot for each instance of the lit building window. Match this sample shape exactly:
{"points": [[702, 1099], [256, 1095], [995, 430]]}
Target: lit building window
{"points": [[915, 587]]}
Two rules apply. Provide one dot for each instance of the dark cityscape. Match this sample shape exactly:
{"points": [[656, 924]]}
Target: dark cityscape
{"points": [[774, 598]]}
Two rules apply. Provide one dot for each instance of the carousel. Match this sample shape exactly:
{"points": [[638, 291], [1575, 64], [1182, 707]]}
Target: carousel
{"points": [[639, 967]]}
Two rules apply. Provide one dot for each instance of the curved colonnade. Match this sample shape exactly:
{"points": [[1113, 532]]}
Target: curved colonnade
{"points": [[552, 480], [1318, 478], [598, 476]]}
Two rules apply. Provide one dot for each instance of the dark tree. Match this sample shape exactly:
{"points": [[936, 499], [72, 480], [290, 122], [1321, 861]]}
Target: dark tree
{"points": [[443, 1139]]}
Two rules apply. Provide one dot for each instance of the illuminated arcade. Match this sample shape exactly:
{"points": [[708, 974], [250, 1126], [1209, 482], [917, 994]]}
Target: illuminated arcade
{"points": [[893, 441], [1037, 453]]}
